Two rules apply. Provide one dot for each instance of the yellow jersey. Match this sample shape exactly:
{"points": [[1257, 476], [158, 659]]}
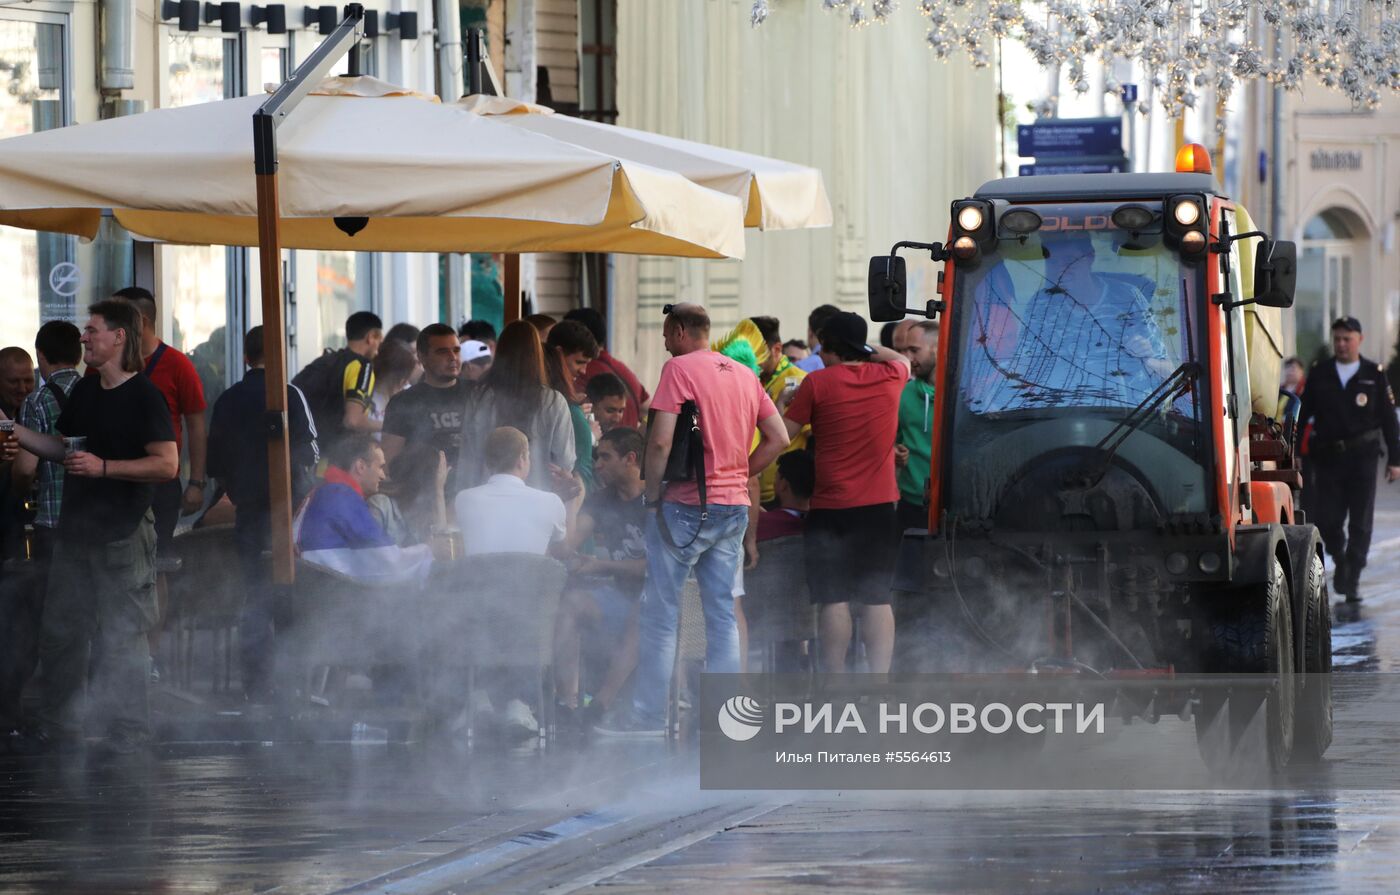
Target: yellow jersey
{"points": [[784, 373]]}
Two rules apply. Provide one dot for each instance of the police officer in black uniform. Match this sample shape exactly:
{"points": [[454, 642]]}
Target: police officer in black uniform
{"points": [[1353, 415]]}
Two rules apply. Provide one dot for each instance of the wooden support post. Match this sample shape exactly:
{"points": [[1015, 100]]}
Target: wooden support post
{"points": [[275, 365], [510, 286], [266, 120]]}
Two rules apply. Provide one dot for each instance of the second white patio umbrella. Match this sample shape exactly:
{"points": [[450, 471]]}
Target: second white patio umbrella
{"points": [[777, 195]]}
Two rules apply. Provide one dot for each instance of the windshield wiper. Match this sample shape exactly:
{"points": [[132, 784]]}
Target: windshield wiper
{"points": [[1177, 384]]}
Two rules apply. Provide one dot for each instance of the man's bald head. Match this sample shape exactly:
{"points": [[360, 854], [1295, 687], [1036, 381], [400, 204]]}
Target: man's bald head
{"points": [[919, 343], [691, 317], [687, 329]]}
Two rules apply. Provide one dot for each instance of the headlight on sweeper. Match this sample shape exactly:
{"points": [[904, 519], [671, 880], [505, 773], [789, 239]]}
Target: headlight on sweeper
{"points": [[964, 248], [970, 218], [1192, 241], [1187, 213]]}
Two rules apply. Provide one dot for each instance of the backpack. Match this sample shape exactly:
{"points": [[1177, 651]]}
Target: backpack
{"points": [[322, 384]]}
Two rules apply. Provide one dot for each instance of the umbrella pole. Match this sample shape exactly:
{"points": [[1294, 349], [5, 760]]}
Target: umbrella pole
{"points": [[266, 120], [279, 465], [510, 287]]}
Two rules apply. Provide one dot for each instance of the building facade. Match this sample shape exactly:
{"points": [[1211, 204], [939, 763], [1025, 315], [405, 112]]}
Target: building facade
{"points": [[897, 134], [1342, 205]]}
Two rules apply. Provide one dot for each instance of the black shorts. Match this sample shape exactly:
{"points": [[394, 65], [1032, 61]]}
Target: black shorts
{"points": [[850, 554], [165, 506], [911, 515]]}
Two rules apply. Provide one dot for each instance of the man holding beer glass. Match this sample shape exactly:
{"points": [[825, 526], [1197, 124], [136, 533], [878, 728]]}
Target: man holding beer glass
{"points": [[101, 593]]}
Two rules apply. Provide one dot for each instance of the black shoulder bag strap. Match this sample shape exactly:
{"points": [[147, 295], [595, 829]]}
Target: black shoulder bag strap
{"points": [[690, 446], [60, 397], [155, 359]]}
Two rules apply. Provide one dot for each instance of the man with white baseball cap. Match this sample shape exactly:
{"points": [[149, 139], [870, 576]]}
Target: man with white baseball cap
{"points": [[476, 359]]}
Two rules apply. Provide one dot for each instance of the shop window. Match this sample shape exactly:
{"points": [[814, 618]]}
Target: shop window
{"points": [[204, 287], [597, 69], [1332, 242], [39, 276], [344, 285], [273, 67]]}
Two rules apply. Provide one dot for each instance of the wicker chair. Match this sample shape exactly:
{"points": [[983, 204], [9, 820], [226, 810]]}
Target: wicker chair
{"points": [[776, 601], [497, 610], [205, 594], [338, 621]]}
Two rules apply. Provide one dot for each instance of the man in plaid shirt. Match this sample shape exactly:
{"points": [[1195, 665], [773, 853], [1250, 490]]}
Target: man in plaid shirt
{"points": [[59, 349]]}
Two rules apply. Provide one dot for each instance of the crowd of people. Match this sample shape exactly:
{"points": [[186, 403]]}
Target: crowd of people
{"points": [[536, 439]]}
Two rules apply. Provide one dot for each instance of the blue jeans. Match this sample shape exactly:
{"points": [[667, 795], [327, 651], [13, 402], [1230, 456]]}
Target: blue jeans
{"points": [[716, 555]]}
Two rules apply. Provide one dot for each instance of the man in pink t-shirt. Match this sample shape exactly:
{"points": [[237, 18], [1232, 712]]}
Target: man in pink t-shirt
{"points": [[852, 405], [682, 532]]}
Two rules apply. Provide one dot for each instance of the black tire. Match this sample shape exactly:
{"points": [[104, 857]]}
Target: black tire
{"points": [[1255, 638], [1314, 724]]}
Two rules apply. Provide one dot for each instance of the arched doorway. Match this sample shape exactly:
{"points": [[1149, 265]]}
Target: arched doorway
{"points": [[1328, 268]]}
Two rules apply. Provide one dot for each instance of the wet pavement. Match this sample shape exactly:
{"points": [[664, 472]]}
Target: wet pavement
{"points": [[216, 811]]}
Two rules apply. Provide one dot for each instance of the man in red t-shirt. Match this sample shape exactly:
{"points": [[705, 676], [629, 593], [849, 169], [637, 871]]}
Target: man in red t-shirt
{"points": [[171, 371], [852, 405], [684, 532], [638, 401]]}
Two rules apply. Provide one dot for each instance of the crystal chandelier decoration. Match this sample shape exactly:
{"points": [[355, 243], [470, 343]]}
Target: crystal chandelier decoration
{"points": [[1185, 46]]}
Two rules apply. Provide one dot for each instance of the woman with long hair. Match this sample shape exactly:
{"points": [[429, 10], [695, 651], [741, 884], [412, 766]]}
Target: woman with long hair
{"points": [[567, 352], [411, 503], [516, 393]]}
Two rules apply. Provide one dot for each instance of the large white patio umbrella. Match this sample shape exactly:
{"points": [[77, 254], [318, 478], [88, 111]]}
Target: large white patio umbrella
{"points": [[426, 176]]}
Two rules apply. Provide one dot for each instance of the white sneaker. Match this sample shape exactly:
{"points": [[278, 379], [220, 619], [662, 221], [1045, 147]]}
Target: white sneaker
{"points": [[358, 681], [478, 711], [518, 715]]}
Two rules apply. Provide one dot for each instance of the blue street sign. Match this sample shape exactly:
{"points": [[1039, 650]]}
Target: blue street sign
{"points": [[1128, 92], [1060, 137], [1108, 165]]}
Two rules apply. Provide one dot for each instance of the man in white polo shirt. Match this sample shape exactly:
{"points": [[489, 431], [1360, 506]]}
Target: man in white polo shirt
{"points": [[505, 515]]}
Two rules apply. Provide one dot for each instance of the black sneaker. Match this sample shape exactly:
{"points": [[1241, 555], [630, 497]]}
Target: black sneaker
{"points": [[568, 721], [627, 726], [1341, 578], [591, 715]]}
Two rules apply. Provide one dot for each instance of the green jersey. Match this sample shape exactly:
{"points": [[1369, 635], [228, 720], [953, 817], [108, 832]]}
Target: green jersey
{"points": [[915, 433]]}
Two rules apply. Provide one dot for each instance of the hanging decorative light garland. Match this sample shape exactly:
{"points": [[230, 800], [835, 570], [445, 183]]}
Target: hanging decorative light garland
{"points": [[1185, 45]]}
